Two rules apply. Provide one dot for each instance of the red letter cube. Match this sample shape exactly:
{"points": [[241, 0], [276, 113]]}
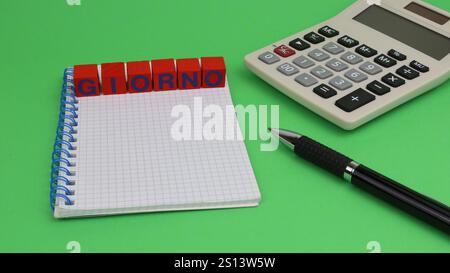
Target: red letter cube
{"points": [[113, 78], [85, 79], [189, 73], [164, 75], [139, 77], [213, 72]]}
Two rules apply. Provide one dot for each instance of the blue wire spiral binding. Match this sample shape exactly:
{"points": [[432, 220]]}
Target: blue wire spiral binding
{"points": [[62, 126], [64, 147], [60, 142], [70, 136], [58, 161], [57, 153]]}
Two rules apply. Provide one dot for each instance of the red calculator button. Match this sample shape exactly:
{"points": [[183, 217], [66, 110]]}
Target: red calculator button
{"points": [[284, 51]]}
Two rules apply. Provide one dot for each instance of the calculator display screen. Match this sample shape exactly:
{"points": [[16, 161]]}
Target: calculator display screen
{"points": [[406, 31]]}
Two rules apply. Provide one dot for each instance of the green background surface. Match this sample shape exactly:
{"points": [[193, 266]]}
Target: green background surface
{"points": [[302, 210]]}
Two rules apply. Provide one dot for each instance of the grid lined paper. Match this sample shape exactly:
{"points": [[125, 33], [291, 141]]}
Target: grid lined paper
{"points": [[127, 160]]}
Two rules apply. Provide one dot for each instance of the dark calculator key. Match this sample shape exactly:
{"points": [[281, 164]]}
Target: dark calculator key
{"points": [[419, 67], [378, 88], [314, 38], [397, 55], [355, 100], [328, 32], [348, 42], [284, 51], [366, 51], [299, 44], [393, 80], [407, 72], [385, 61], [325, 91]]}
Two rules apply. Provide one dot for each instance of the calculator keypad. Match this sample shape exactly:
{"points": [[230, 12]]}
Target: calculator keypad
{"points": [[284, 51], [321, 72], [340, 83], [366, 51], [314, 38], [299, 44], [393, 80], [287, 69], [341, 63], [348, 41], [306, 80], [355, 100], [303, 62], [385, 61], [355, 75], [378, 88], [328, 32], [397, 55], [333, 48], [419, 67], [370, 68], [318, 55], [336, 65], [407, 73], [351, 58], [325, 91], [269, 58]]}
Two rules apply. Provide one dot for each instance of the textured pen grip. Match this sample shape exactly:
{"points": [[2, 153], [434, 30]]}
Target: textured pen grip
{"points": [[322, 156]]}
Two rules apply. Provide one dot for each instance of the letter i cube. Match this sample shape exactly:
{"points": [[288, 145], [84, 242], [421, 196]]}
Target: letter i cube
{"points": [[113, 79]]}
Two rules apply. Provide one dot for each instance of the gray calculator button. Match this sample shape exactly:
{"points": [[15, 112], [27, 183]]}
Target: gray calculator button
{"points": [[340, 83], [318, 55], [306, 80], [268, 57], [351, 58], [287, 69], [321, 72], [370, 68], [336, 65], [333, 48], [303, 62], [355, 75]]}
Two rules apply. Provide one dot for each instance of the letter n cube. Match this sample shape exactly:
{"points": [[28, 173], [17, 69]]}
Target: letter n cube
{"points": [[189, 73]]}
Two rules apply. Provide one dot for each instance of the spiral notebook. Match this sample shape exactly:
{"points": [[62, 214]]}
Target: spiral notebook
{"points": [[115, 155]]}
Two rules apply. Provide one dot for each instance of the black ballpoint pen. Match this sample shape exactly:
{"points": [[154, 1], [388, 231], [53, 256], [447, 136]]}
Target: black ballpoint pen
{"points": [[421, 206]]}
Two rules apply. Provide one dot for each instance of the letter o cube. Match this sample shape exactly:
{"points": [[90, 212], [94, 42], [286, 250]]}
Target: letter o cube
{"points": [[139, 77], [213, 72]]}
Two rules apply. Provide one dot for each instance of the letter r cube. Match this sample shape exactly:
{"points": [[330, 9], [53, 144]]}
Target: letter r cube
{"points": [[164, 75]]}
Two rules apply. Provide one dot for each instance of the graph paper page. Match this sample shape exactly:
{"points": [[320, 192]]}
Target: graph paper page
{"points": [[127, 157]]}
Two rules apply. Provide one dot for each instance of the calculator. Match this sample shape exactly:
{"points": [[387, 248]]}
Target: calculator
{"points": [[369, 59]]}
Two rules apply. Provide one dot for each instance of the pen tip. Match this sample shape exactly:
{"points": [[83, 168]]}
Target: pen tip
{"points": [[274, 132]]}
